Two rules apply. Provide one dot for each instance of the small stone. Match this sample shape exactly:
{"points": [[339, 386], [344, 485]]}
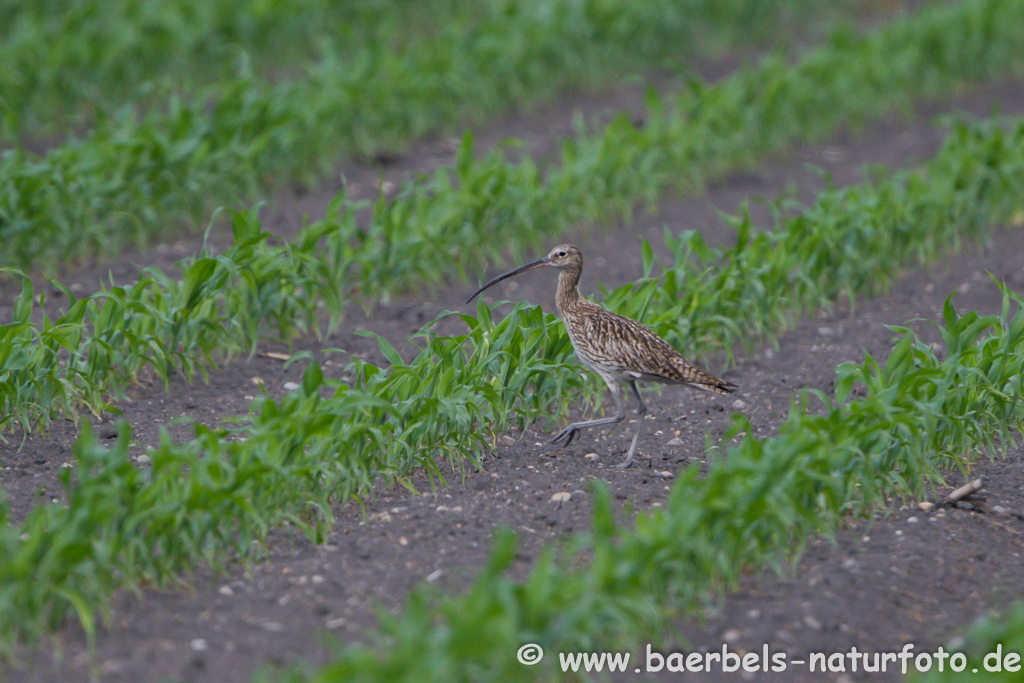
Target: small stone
{"points": [[379, 517], [112, 666], [316, 578], [675, 441], [257, 381], [335, 623], [665, 474], [826, 332], [402, 540], [592, 456], [999, 509], [143, 459], [272, 626], [812, 623], [899, 532], [754, 614], [198, 645], [225, 590], [911, 520], [561, 497], [732, 635], [291, 386], [433, 576], [926, 505], [739, 404]]}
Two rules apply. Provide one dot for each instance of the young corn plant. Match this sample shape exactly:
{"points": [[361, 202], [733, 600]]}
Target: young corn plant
{"points": [[851, 242], [498, 375], [66, 62], [207, 500], [243, 135], [757, 504], [705, 300]]}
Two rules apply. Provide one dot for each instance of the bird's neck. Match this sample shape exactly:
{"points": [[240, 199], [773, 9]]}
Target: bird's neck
{"points": [[568, 296]]}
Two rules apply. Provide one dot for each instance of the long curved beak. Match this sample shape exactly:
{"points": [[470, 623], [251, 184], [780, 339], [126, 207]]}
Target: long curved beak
{"points": [[521, 269]]}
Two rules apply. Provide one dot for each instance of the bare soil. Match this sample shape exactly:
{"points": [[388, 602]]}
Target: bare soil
{"points": [[907, 575]]}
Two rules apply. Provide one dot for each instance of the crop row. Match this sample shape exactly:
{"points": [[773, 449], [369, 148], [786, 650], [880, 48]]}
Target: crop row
{"points": [[758, 503], [127, 178], [209, 498], [97, 54], [206, 499], [707, 299], [63, 60]]}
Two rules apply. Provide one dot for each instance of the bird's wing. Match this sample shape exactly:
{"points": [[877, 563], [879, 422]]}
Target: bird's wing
{"points": [[617, 341]]}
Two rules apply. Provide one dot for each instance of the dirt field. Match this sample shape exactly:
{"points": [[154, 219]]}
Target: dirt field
{"points": [[909, 576]]}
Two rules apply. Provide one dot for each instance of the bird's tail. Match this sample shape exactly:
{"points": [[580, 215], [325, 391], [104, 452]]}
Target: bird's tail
{"points": [[713, 384], [698, 379]]}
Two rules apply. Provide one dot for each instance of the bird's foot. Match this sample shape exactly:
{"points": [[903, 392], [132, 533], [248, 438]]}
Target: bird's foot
{"points": [[567, 434], [626, 463]]}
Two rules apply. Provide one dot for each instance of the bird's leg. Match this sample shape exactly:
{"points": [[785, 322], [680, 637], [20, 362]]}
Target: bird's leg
{"points": [[620, 414], [641, 410]]}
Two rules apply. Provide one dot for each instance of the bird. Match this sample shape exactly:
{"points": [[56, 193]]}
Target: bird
{"points": [[620, 350]]}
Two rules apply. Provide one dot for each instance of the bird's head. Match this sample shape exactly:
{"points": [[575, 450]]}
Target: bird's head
{"points": [[561, 257]]}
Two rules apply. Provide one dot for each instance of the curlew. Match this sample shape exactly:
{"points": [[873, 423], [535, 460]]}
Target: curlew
{"points": [[617, 348]]}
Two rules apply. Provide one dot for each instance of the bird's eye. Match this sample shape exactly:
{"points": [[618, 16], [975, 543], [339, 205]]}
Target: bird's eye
{"points": [[561, 253]]}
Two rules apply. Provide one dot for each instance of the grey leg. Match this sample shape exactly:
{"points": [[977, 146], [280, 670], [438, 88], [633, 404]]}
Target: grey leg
{"points": [[620, 414], [641, 410]]}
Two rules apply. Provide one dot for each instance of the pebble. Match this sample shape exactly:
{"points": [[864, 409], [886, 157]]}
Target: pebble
{"points": [[225, 590], [561, 497], [911, 520], [826, 332], [732, 635], [665, 474], [112, 666], [739, 404], [999, 509], [926, 505], [143, 459], [198, 645], [291, 386], [812, 623], [676, 441]]}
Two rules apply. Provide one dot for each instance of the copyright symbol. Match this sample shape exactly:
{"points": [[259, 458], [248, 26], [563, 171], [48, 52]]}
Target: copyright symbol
{"points": [[530, 654]]}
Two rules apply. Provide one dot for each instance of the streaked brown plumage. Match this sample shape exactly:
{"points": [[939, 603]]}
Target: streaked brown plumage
{"points": [[617, 348]]}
